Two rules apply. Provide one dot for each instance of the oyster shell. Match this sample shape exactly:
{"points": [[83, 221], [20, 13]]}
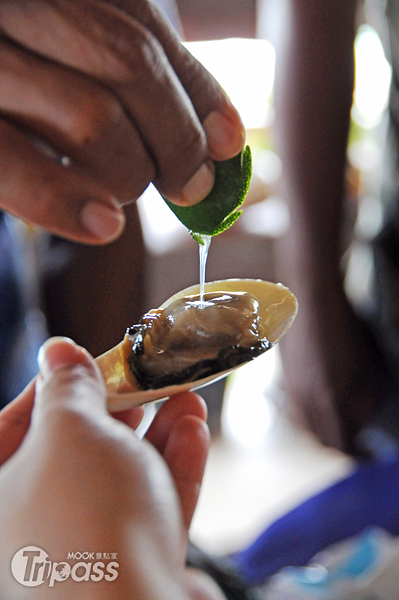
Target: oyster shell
{"points": [[184, 346]]}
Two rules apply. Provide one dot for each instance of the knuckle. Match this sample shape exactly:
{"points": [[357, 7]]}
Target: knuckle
{"points": [[127, 55], [94, 114], [144, 54]]}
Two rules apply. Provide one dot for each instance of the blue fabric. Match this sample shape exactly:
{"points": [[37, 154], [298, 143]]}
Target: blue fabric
{"points": [[370, 496]]}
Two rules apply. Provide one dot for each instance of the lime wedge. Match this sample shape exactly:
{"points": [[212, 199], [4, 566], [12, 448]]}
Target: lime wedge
{"points": [[218, 210]]}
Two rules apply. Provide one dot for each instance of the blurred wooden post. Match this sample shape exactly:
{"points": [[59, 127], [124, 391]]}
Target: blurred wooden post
{"points": [[217, 19]]}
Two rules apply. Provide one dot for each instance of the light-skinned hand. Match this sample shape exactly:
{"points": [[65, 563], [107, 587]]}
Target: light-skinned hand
{"points": [[74, 477]]}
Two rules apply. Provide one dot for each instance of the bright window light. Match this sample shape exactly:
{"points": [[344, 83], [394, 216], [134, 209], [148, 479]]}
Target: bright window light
{"points": [[373, 78], [162, 230], [245, 69], [248, 413]]}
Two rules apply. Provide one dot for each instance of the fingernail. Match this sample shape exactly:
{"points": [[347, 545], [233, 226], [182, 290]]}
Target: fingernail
{"points": [[102, 220], [57, 353], [225, 136], [199, 185]]}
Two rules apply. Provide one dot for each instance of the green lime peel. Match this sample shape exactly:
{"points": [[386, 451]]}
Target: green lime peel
{"points": [[219, 209]]}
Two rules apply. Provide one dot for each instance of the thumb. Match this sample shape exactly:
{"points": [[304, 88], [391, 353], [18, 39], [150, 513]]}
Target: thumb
{"points": [[69, 380]]}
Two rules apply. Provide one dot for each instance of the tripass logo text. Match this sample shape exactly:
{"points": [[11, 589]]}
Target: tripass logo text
{"points": [[31, 566]]}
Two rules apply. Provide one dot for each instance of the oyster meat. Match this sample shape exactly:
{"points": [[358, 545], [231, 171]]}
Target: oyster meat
{"points": [[186, 344], [192, 338]]}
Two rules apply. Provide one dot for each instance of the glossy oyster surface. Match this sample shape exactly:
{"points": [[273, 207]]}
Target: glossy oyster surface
{"points": [[186, 344], [192, 338]]}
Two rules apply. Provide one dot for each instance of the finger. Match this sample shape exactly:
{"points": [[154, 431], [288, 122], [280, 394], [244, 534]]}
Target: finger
{"points": [[180, 434], [221, 121], [185, 454], [131, 417], [56, 358], [201, 586], [78, 117], [124, 55], [185, 403], [69, 381], [42, 192], [14, 422]]}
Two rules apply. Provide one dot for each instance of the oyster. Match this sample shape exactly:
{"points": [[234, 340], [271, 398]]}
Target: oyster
{"points": [[186, 344], [192, 338]]}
